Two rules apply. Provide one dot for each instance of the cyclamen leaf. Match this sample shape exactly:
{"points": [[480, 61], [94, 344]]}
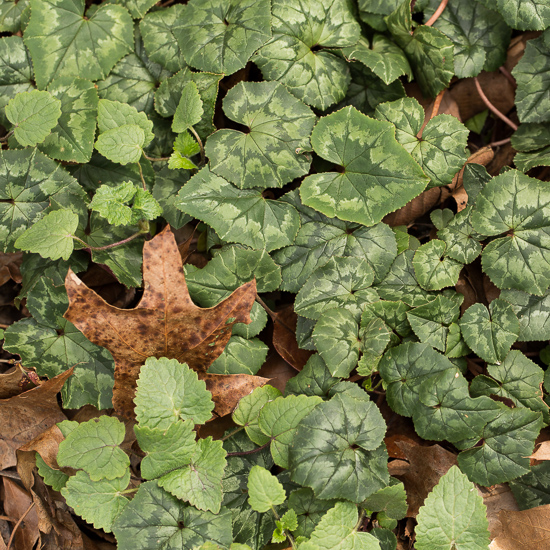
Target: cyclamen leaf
{"points": [[51, 236], [59, 39], [297, 54], [221, 37], [313, 379], [154, 518], [533, 489], [433, 269], [522, 14], [309, 510], [441, 151], [264, 490], [461, 239], [167, 186], [453, 516], [391, 500], [168, 391], [394, 316], [138, 8], [490, 333], [533, 313], [33, 114], [378, 176], [278, 125], [530, 137], [123, 144], [113, 114], [336, 450], [93, 447], [189, 110], [97, 502], [242, 216], [240, 356], [10, 15], [526, 161]]}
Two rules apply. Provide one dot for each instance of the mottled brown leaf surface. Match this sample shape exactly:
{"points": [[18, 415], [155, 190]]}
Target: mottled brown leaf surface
{"points": [[165, 323], [525, 530], [27, 415], [16, 503]]}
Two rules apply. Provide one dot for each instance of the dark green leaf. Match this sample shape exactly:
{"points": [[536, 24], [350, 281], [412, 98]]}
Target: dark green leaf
{"points": [[533, 489]]}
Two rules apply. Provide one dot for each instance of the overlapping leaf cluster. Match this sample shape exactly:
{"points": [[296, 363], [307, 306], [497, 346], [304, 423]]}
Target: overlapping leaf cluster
{"points": [[285, 129]]}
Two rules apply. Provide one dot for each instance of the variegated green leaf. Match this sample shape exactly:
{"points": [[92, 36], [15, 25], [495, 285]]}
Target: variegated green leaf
{"points": [[138, 8], [376, 175], [240, 356], [167, 186], [10, 15], [532, 159], [533, 313], [298, 54], [531, 15], [434, 270], [266, 155], [461, 239], [533, 489], [394, 316], [63, 42]]}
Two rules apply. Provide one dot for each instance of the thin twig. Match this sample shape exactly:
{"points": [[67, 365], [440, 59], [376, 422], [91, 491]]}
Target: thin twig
{"points": [[435, 110], [491, 107], [199, 141], [230, 434], [107, 246], [155, 159], [10, 361], [272, 314], [256, 450], [499, 143], [7, 136], [437, 13], [18, 524], [509, 76], [141, 175], [6, 518]]}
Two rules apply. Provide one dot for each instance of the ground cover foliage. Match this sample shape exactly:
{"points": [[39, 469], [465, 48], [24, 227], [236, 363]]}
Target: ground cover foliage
{"points": [[275, 274]]}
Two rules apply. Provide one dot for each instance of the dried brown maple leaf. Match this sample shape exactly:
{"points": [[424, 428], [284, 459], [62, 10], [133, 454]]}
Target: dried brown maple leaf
{"points": [[165, 323]]}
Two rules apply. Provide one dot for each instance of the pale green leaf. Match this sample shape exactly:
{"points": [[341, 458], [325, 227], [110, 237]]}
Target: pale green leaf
{"points": [[531, 136], [113, 114], [138, 8], [434, 270], [123, 144], [189, 110], [532, 159], [56, 479], [394, 316], [10, 15], [144, 206], [264, 490], [532, 15], [110, 202], [392, 500]]}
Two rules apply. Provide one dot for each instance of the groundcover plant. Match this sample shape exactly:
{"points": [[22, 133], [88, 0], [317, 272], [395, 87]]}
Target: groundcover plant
{"points": [[275, 274]]}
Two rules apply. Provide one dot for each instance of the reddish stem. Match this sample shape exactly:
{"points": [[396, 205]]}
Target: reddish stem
{"points": [[491, 107], [437, 13]]}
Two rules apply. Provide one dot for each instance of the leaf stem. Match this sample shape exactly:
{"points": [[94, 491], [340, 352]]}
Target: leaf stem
{"points": [[256, 450], [271, 313], [107, 246], [491, 107], [231, 434], [18, 524], [141, 176], [360, 520], [126, 491], [199, 141], [499, 143], [7, 136], [435, 110], [437, 13], [154, 159], [509, 76]]}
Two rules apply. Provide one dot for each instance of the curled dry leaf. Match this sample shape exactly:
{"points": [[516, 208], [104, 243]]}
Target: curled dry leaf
{"points": [[525, 530], [542, 452], [16, 503], [12, 381], [165, 323], [27, 415], [10, 264]]}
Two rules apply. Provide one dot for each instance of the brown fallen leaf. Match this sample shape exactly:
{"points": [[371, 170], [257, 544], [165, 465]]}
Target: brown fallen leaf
{"points": [[16, 504], [542, 452], [12, 382], [27, 415], [10, 264], [525, 530], [497, 498], [165, 323]]}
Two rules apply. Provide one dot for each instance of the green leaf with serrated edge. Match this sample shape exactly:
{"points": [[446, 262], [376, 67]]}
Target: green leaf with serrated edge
{"points": [[375, 337], [51, 236], [533, 313], [168, 391], [428, 50], [455, 345], [526, 161], [238, 215], [56, 479], [309, 509], [113, 114], [313, 379], [441, 151], [515, 204], [134, 78], [16, 74], [392, 500], [167, 449], [67, 427], [376, 177], [97, 502], [479, 35], [401, 284], [336, 450], [279, 419], [490, 332], [189, 110], [266, 155], [394, 316], [383, 56], [453, 516], [516, 378], [10, 15], [178, 161], [33, 115], [506, 443], [199, 482], [433, 269], [185, 144], [169, 92], [123, 144], [110, 202], [156, 519], [531, 136], [431, 322], [158, 33], [138, 8], [167, 186], [221, 37], [304, 330], [289, 520], [385, 537], [30, 181], [441, 218], [144, 206], [532, 489], [93, 447], [337, 530], [461, 239], [320, 238], [445, 410], [336, 337], [341, 282], [405, 368], [240, 356], [298, 54], [532, 92], [60, 39], [264, 490], [72, 139], [249, 526], [524, 15], [248, 410]]}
